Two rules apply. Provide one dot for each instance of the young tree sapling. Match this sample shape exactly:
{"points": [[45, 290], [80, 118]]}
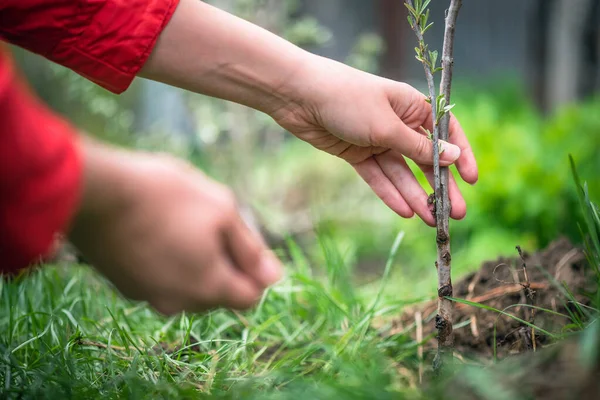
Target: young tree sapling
{"points": [[440, 108]]}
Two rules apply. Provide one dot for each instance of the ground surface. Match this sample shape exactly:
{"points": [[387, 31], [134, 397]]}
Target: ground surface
{"points": [[559, 364], [501, 284], [64, 333]]}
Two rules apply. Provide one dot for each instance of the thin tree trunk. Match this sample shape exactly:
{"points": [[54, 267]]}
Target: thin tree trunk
{"points": [[441, 201], [444, 317]]}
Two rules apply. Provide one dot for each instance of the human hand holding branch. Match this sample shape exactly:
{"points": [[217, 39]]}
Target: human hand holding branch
{"points": [[371, 122]]}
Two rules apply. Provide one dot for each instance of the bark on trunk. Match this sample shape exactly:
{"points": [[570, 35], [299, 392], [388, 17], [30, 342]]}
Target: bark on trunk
{"points": [[444, 259]]}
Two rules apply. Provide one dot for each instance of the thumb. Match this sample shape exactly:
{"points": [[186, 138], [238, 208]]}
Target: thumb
{"points": [[251, 255], [414, 145]]}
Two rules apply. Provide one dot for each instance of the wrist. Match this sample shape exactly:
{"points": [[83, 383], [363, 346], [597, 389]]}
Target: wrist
{"points": [[104, 187], [309, 86], [290, 88]]}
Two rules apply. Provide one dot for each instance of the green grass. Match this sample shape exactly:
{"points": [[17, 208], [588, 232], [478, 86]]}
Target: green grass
{"points": [[67, 334]]}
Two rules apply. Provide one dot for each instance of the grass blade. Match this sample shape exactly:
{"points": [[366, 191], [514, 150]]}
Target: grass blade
{"points": [[484, 307]]}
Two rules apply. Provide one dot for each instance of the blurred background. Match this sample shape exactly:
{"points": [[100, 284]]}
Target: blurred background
{"points": [[527, 74]]}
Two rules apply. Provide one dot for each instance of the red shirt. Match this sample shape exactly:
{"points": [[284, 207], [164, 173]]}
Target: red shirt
{"points": [[106, 41]]}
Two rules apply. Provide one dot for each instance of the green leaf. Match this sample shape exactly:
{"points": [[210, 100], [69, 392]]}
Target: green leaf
{"points": [[427, 28], [425, 19], [441, 102], [546, 310], [422, 21], [433, 55], [570, 328], [425, 5], [448, 108], [429, 134], [589, 214], [388, 267], [412, 11], [484, 307]]}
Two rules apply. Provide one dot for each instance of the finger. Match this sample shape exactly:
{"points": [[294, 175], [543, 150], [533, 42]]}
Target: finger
{"points": [[233, 288], [250, 254], [416, 112], [466, 163], [459, 207], [398, 172], [400, 138], [371, 172]]}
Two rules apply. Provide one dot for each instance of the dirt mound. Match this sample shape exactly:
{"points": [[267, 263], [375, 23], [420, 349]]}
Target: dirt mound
{"points": [[502, 284], [562, 371]]}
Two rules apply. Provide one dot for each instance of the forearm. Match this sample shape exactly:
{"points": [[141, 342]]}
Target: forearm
{"points": [[208, 51], [104, 183]]}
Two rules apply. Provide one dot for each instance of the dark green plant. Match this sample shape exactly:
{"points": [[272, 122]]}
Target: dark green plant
{"points": [[590, 229]]}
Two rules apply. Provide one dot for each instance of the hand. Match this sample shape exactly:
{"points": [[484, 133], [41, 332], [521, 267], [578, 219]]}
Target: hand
{"points": [[374, 123], [371, 122], [164, 233]]}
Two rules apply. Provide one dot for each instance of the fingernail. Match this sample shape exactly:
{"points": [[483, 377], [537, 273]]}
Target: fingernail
{"points": [[450, 152], [270, 270]]}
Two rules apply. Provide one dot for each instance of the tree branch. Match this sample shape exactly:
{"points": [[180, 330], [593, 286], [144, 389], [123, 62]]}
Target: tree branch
{"points": [[418, 19], [426, 61], [443, 206]]}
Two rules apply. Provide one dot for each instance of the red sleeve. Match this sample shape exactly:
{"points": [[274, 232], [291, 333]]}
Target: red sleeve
{"points": [[40, 173], [106, 41]]}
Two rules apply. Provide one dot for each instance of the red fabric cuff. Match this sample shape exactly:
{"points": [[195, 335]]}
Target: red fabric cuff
{"points": [[40, 174], [106, 41], [115, 45]]}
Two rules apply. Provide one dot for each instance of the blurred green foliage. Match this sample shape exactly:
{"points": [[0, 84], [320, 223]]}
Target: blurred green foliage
{"points": [[525, 194], [525, 185]]}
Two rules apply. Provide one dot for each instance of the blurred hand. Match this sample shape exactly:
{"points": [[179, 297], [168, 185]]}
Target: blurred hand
{"points": [[164, 233], [374, 123]]}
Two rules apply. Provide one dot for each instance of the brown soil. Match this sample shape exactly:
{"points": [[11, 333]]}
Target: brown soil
{"points": [[560, 372], [501, 284]]}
